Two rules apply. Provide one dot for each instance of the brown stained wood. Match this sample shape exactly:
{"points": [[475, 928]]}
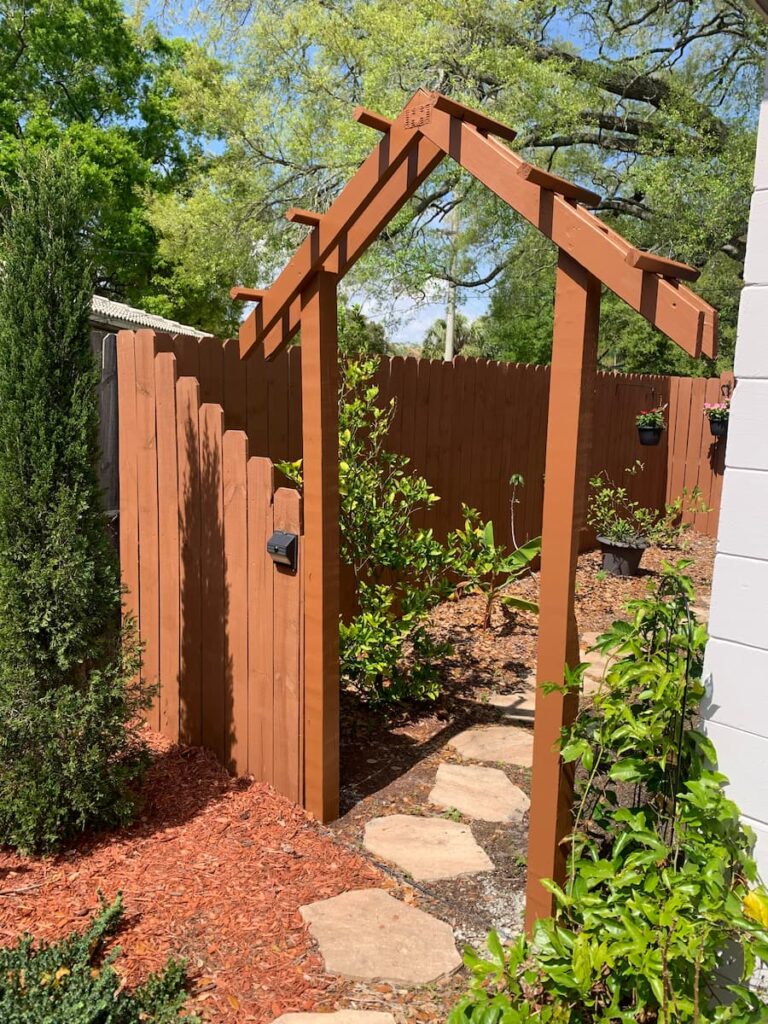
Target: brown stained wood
{"points": [[298, 216], [211, 355], [257, 404], [242, 294], [287, 668], [216, 665], [293, 399], [261, 574], [445, 471], [235, 457], [234, 386], [410, 383], [654, 264], [321, 548], [149, 591], [187, 352], [373, 174], [569, 438], [169, 576], [433, 436], [676, 311], [128, 456], [372, 120], [676, 474], [466, 456], [482, 122], [698, 441], [277, 397], [190, 560], [396, 369], [424, 401], [563, 187]]}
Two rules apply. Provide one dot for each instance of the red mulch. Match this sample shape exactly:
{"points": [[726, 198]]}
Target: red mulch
{"points": [[214, 870]]}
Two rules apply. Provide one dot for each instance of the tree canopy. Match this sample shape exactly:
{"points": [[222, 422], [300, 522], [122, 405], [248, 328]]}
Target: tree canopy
{"points": [[82, 73], [652, 105]]}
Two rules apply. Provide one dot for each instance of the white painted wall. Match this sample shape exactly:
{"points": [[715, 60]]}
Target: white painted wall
{"points": [[736, 664]]}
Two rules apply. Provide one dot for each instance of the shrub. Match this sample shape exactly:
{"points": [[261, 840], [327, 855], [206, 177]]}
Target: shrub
{"points": [[615, 516], [400, 571], [661, 880], [488, 568], [73, 982], [67, 747]]}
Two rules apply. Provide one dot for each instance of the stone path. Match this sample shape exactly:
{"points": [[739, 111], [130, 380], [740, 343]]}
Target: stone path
{"points": [[427, 848], [368, 935], [504, 744], [484, 793]]}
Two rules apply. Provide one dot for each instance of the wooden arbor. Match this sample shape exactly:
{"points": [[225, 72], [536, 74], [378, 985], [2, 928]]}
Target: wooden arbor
{"points": [[591, 254]]}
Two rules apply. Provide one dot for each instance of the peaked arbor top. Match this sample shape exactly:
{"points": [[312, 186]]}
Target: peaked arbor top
{"points": [[430, 127]]}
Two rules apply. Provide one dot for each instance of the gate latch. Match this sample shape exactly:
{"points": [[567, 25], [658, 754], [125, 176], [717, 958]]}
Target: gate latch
{"points": [[283, 549]]}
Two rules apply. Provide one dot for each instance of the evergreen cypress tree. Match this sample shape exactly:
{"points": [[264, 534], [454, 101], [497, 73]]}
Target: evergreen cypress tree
{"points": [[68, 742]]}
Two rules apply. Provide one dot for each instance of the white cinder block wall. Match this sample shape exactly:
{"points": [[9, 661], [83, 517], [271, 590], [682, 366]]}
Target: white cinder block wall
{"points": [[736, 665]]}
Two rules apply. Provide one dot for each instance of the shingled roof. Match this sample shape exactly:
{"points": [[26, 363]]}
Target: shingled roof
{"points": [[119, 316]]}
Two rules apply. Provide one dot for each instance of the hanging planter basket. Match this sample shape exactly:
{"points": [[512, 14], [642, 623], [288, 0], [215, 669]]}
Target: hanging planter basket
{"points": [[718, 413], [650, 424], [649, 435], [719, 428], [621, 559]]}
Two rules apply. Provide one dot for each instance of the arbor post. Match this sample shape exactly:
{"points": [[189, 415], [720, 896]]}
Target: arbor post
{"points": [[320, 434], [569, 445]]}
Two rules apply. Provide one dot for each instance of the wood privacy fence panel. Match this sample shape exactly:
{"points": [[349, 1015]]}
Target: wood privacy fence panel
{"points": [[222, 626]]}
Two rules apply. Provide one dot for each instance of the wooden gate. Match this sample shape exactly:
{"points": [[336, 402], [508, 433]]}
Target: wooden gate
{"points": [[221, 623]]}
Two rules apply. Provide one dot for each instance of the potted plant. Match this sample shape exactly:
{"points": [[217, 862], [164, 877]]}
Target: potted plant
{"points": [[717, 413], [622, 525], [650, 424]]}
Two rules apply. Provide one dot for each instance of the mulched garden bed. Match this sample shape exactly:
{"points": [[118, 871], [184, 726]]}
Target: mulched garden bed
{"points": [[215, 871]]}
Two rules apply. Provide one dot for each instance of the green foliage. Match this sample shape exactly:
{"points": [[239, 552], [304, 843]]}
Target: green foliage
{"points": [[487, 568], [654, 107], [80, 72], [469, 339], [614, 515], [67, 748], [73, 982], [651, 418], [359, 335], [660, 880], [400, 570]]}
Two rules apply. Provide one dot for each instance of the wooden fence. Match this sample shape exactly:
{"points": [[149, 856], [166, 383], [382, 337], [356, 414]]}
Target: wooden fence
{"points": [[199, 431], [222, 625], [470, 425]]}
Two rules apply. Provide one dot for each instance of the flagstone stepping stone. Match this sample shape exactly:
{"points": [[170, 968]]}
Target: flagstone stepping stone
{"points": [[370, 936], [427, 848], [500, 743], [483, 793], [337, 1017]]}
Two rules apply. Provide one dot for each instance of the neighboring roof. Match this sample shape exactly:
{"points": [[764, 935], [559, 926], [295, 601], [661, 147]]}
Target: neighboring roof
{"points": [[121, 317]]}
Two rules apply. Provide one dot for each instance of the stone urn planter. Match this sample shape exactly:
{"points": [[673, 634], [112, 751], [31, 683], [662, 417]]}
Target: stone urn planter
{"points": [[621, 559]]}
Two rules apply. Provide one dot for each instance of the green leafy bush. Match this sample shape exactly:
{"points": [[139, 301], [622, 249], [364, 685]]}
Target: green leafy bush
{"points": [[68, 749], [488, 567], [620, 520], [661, 882], [73, 982]]}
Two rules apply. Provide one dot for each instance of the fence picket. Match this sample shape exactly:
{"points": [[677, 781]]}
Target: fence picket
{"points": [[235, 455], [287, 675], [260, 613], [168, 534]]}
